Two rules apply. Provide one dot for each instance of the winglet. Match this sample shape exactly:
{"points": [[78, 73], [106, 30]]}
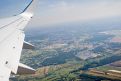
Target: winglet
{"points": [[31, 6], [29, 10]]}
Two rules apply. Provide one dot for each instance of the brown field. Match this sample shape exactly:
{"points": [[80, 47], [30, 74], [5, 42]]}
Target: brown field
{"points": [[108, 74], [116, 64], [116, 39]]}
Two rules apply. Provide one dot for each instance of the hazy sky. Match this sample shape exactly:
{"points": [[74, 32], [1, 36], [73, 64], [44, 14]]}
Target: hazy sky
{"points": [[50, 12]]}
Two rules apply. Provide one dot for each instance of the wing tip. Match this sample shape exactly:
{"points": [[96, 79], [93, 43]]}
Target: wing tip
{"points": [[26, 9]]}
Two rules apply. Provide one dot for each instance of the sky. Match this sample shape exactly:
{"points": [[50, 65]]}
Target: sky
{"points": [[51, 12]]}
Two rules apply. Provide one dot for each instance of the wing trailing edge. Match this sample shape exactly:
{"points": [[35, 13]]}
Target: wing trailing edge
{"points": [[27, 45], [24, 69]]}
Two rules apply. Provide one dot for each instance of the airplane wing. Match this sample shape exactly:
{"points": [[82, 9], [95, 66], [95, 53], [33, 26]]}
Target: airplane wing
{"points": [[11, 41]]}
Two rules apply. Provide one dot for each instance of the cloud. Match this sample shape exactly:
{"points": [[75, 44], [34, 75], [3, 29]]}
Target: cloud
{"points": [[63, 11]]}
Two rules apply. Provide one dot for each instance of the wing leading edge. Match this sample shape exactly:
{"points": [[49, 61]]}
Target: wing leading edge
{"points": [[11, 41]]}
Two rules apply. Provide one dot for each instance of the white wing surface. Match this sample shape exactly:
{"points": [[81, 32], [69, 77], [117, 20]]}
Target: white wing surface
{"points": [[11, 41]]}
